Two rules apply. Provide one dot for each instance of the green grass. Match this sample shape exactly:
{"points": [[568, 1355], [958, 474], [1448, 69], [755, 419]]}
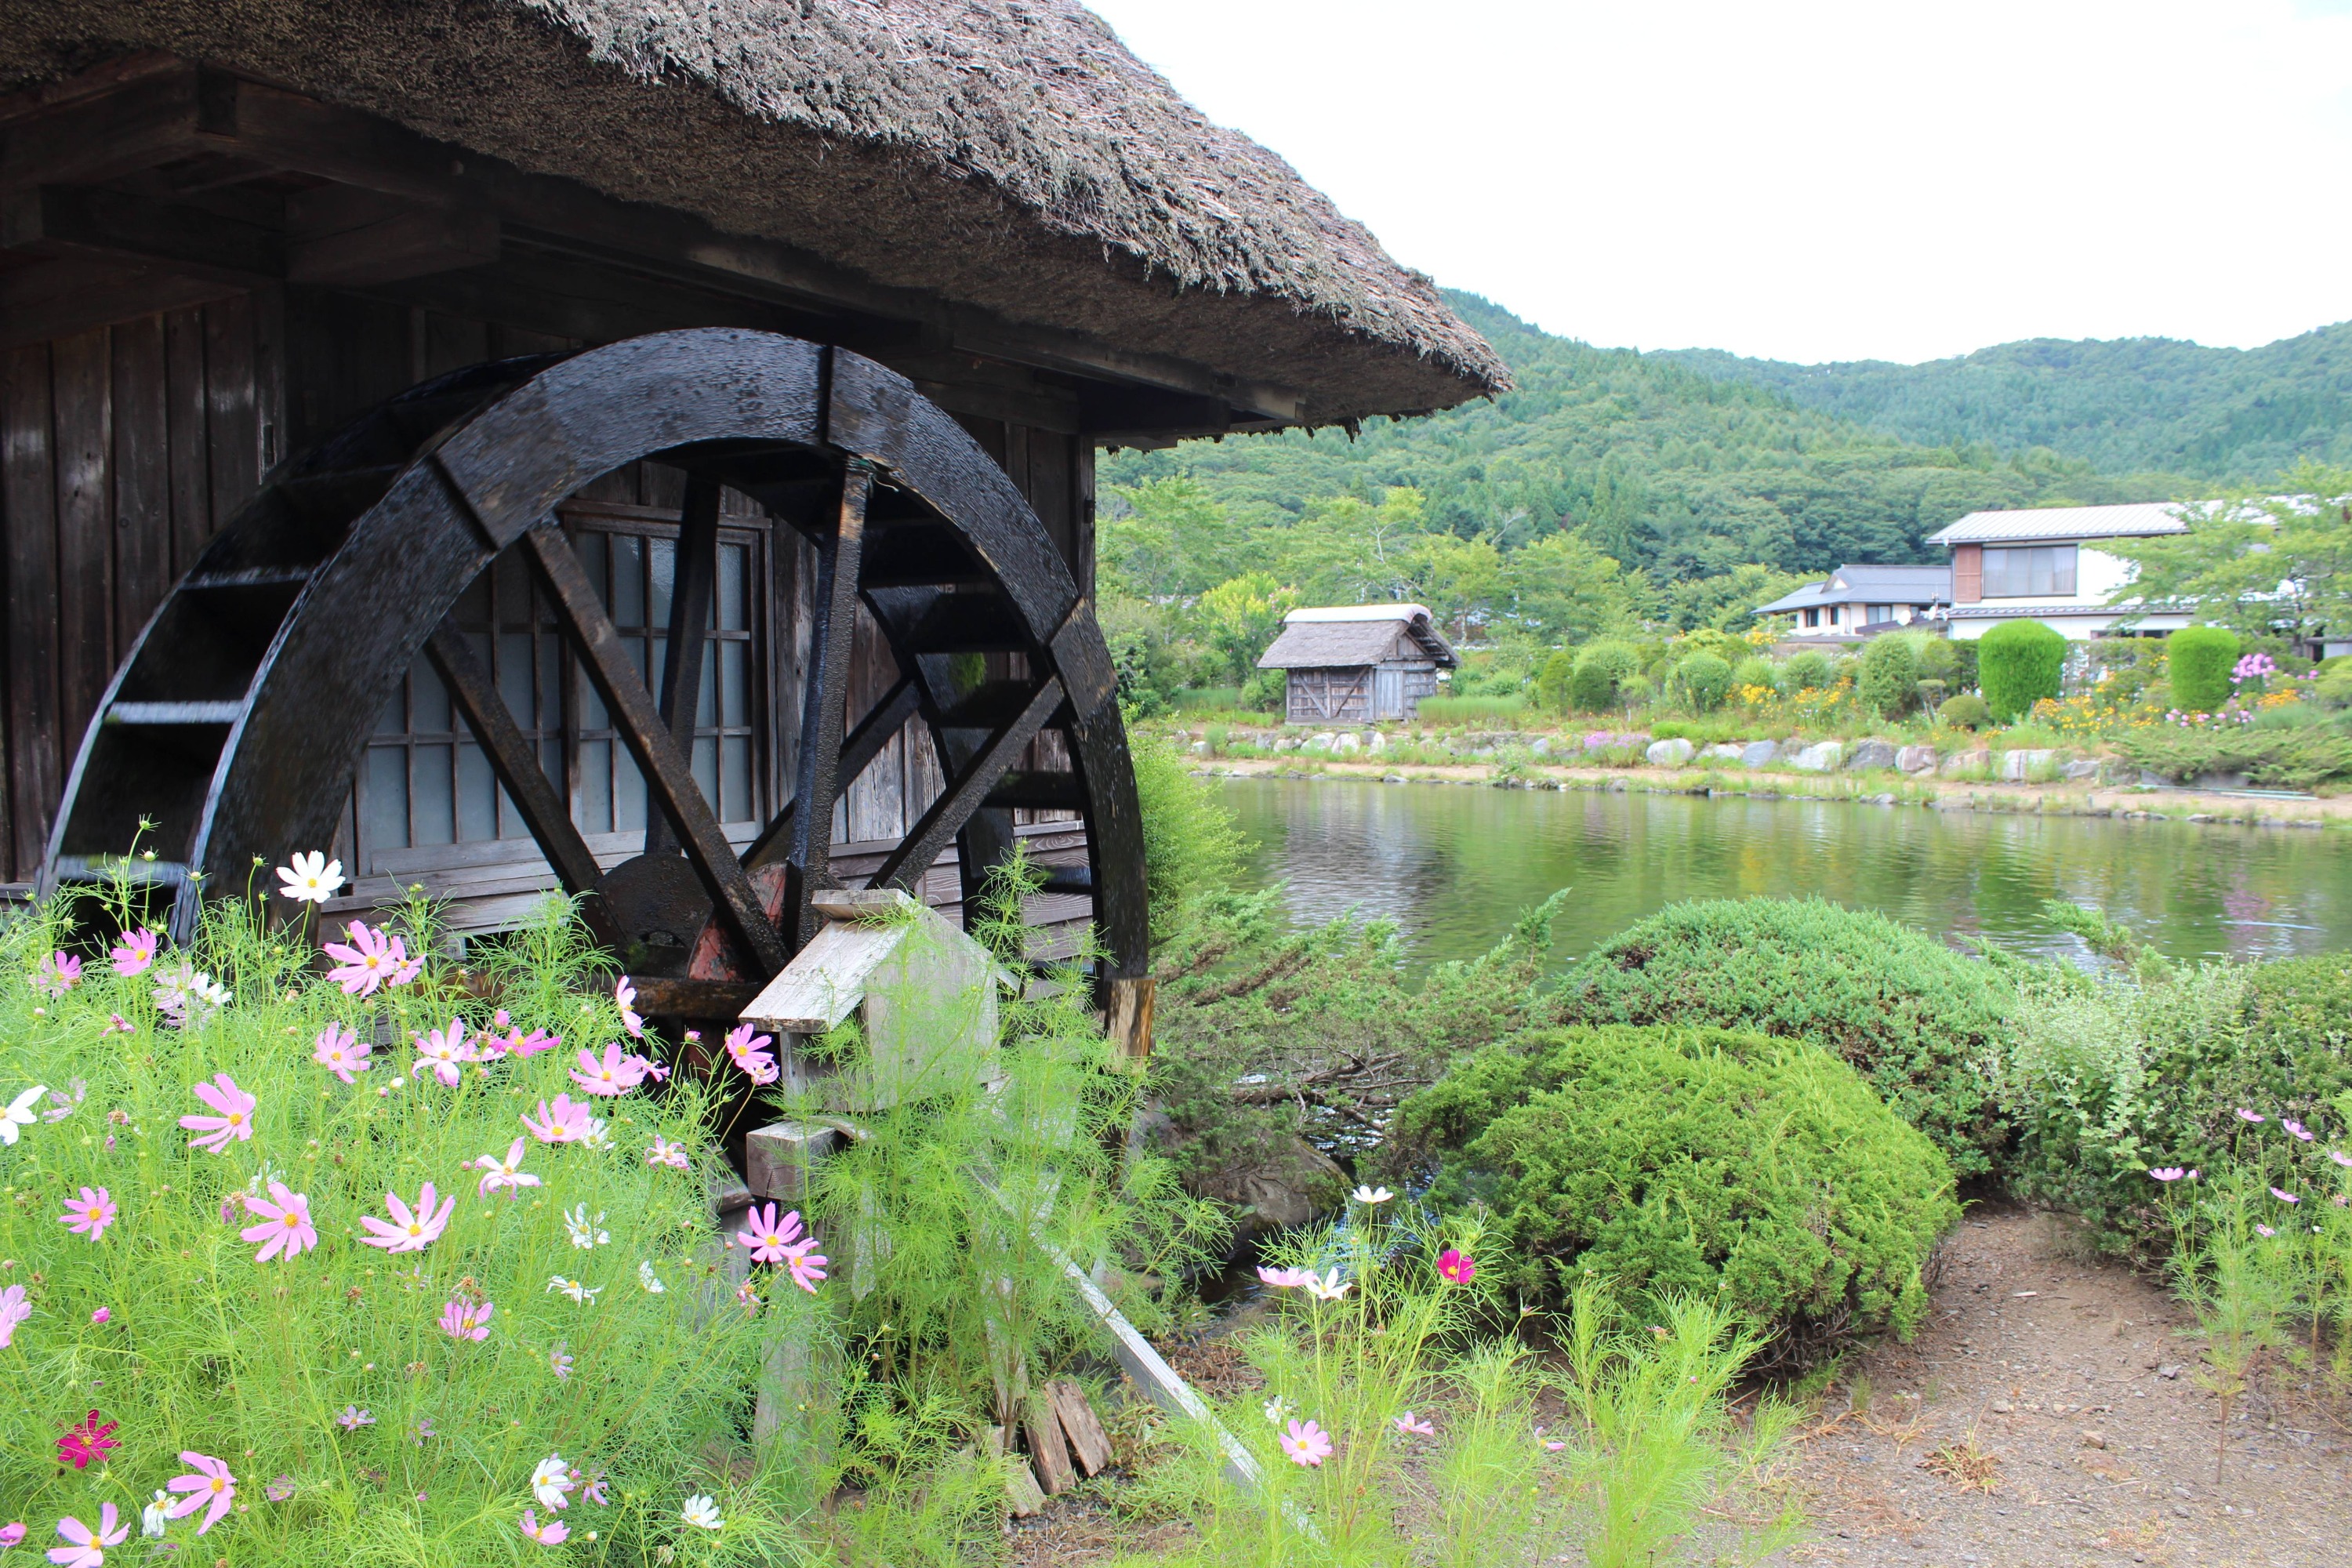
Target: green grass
{"points": [[1473, 709]]}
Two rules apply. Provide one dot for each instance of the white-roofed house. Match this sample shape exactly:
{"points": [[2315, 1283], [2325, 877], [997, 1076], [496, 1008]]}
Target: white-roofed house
{"points": [[1358, 664], [2046, 564], [1856, 602]]}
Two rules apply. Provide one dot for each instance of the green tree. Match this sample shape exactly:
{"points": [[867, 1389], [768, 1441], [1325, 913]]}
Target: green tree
{"points": [[1603, 669], [1240, 617], [1562, 588], [1165, 538], [2018, 663], [2261, 565], [1888, 681], [1554, 684]]}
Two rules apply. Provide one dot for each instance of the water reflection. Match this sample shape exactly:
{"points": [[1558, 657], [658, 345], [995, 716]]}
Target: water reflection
{"points": [[1453, 866]]}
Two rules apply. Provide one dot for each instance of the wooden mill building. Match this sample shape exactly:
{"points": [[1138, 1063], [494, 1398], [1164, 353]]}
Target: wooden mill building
{"points": [[229, 232], [1358, 665]]}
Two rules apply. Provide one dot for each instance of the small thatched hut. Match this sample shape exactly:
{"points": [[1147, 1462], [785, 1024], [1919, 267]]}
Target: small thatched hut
{"points": [[1358, 665]]}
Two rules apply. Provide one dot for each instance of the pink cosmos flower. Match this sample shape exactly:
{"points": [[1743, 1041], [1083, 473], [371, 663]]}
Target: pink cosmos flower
{"points": [[2265, 1230], [58, 974], [1456, 1267], [1550, 1444], [63, 1104], [87, 1441], [350, 1420], [342, 1052], [90, 1213], [406, 970], [555, 1532], [410, 1231], [559, 1361], [749, 1052], [766, 1237], [103, 1315], [624, 997], [209, 1487], [1409, 1428], [2340, 1156], [234, 1122], [2167, 1173], [2245, 1115], [1285, 1278], [14, 1310], [280, 1489], [807, 1264], [136, 951], [507, 1173], [2296, 1129], [116, 1024], [649, 1068], [567, 1122], [367, 962], [467, 1319], [11, 1533], [1304, 1443], [87, 1549], [615, 1075], [285, 1231], [2284, 1197], [444, 1052], [662, 1152]]}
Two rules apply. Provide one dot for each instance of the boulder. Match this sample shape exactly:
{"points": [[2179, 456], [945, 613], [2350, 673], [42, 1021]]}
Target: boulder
{"points": [[1917, 759], [1288, 743], [1724, 751], [1319, 742], [1284, 1184], [1668, 754], [2017, 767], [2081, 768], [1759, 753], [1542, 746], [1347, 745], [1966, 761], [1376, 741], [1199, 748], [1819, 758], [1870, 755]]}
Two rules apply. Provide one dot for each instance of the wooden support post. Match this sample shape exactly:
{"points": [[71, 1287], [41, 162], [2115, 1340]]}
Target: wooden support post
{"points": [[1126, 1017]]}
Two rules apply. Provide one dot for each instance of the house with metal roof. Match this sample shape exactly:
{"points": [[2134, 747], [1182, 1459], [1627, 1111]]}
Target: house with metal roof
{"points": [[2046, 564], [1857, 602], [1357, 664]]}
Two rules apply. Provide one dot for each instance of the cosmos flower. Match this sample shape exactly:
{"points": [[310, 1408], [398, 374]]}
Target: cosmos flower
{"points": [[519, 1044], [90, 1213], [444, 1052], [209, 1487], [555, 1532], [645, 1278], [1275, 1409], [19, 1113], [766, 1235], [2245, 1115], [1304, 1443], [662, 1152], [88, 1441], [285, 1231], [559, 1359], [342, 1052], [1372, 1197], [1456, 1267], [507, 1173], [597, 1137], [233, 1124], [552, 1482], [136, 951], [2167, 1173], [88, 1548], [1328, 1286], [1408, 1426], [58, 975], [749, 1052], [583, 1293], [101, 1317], [278, 1490], [310, 879], [615, 1074], [64, 1102], [585, 1232], [1285, 1278], [155, 1515], [15, 1309], [2284, 1197], [365, 962], [2296, 1129], [806, 1264], [467, 1319], [116, 1024], [624, 997], [11, 1533], [2265, 1230], [2340, 1156], [1548, 1445], [410, 1231], [186, 995], [566, 1123], [700, 1512], [353, 1419]]}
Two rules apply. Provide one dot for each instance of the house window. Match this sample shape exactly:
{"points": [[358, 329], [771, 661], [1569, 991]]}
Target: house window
{"points": [[1813, 617], [2040, 572], [424, 783]]}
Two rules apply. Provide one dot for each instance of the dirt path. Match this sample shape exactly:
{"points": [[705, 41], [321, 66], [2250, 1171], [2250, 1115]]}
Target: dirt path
{"points": [[2055, 1368]]}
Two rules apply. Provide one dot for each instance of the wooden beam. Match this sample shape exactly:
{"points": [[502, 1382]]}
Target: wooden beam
{"points": [[150, 120], [694, 566], [930, 837], [73, 221], [57, 299], [865, 743], [809, 866], [344, 235]]}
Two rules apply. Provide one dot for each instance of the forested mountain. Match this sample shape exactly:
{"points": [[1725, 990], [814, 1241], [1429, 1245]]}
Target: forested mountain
{"points": [[2216, 414], [1678, 474]]}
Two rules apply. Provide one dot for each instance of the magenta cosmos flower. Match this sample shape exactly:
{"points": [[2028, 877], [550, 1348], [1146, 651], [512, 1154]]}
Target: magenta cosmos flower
{"points": [[136, 951], [555, 1532], [507, 1173], [367, 962], [1458, 1267], [1304, 1443], [566, 1123], [2167, 1173], [14, 1310], [2245, 1115], [749, 1052], [234, 1124], [806, 1264], [662, 1152], [410, 1231], [58, 974], [766, 1235], [467, 1320], [615, 1074], [90, 1213], [624, 997], [342, 1052], [87, 1549], [2284, 1197], [208, 1486], [285, 1231], [444, 1052], [90, 1440], [2296, 1129]]}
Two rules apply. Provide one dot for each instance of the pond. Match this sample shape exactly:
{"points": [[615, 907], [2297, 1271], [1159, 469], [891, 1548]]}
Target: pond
{"points": [[1453, 866]]}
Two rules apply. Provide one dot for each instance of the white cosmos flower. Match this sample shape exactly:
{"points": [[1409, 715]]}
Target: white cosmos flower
{"points": [[310, 879], [152, 1519], [20, 1112], [551, 1482], [595, 1136], [1327, 1286], [645, 1278], [583, 1230], [584, 1294], [1371, 1195], [701, 1512], [1275, 1409]]}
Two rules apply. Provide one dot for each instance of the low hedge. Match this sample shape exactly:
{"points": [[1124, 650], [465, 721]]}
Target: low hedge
{"points": [[1762, 1173], [1920, 1021], [2270, 758]]}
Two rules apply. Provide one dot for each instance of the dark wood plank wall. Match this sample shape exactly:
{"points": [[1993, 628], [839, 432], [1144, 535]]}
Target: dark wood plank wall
{"points": [[122, 449]]}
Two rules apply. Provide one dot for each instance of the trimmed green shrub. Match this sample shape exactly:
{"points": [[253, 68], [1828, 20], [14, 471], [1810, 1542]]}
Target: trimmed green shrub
{"points": [[2017, 664], [1760, 1173], [1889, 682], [1966, 711], [1603, 669], [2197, 661], [1704, 680], [1755, 671], [1808, 669], [1917, 1019], [1552, 684], [1937, 656]]}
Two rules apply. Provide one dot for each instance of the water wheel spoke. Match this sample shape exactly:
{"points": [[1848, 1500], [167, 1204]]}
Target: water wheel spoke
{"points": [[957, 803], [690, 607], [809, 866], [863, 744], [669, 778]]}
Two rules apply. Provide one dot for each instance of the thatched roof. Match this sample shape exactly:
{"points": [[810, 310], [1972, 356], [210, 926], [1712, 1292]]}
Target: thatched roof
{"points": [[1012, 156], [1364, 634]]}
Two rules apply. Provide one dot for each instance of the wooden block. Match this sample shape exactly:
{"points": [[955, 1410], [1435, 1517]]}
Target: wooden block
{"points": [[1088, 1439], [777, 1158], [1023, 1496], [1047, 1452], [1127, 1018]]}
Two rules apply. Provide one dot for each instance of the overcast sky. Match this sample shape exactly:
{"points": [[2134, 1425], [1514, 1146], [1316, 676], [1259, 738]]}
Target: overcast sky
{"points": [[1812, 180]]}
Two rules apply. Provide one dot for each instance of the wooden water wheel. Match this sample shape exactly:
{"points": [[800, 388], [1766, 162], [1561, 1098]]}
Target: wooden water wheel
{"points": [[235, 722]]}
